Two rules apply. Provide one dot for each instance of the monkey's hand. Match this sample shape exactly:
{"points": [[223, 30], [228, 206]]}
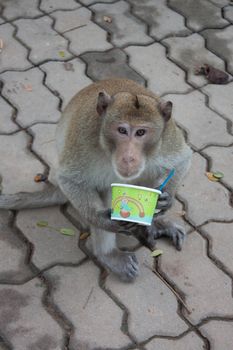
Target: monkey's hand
{"points": [[124, 227], [148, 235], [161, 228], [165, 201]]}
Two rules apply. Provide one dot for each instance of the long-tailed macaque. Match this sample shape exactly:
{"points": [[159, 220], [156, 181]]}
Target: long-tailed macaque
{"points": [[114, 131]]}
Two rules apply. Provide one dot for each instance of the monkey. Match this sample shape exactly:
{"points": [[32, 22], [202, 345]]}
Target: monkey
{"points": [[114, 131]]}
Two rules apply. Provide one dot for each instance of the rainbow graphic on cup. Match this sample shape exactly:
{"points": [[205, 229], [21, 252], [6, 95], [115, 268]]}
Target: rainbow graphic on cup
{"points": [[133, 203]]}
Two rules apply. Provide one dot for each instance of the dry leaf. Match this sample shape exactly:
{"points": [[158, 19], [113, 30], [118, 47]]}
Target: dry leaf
{"points": [[27, 87], [68, 66], [40, 178], [214, 75], [211, 176], [84, 235], [107, 19]]}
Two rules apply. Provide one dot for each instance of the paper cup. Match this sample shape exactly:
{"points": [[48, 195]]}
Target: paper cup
{"points": [[133, 203]]}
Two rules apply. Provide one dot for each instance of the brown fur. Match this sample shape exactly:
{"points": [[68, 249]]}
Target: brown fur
{"points": [[98, 143]]}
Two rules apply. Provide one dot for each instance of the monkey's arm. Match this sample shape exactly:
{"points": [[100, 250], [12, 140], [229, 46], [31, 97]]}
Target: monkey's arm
{"points": [[160, 225], [88, 203]]}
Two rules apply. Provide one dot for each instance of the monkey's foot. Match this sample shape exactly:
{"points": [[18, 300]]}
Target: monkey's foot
{"points": [[171, 230], [122, 264]]}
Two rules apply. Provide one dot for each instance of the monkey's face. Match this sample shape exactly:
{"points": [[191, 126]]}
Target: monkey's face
{"points": [[130, 145], [131, 130]]}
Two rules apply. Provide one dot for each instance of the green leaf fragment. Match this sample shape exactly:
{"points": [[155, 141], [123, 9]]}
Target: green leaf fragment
{"points": [[67, 231], [62, 53], [42, 223], [218, 174], [156, 252]]}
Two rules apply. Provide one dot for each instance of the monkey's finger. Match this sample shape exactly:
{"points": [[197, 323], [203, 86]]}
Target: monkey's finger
{"points": [[134, 267], [164, 195], [163, 205], [134, 258], [178, 237], [165, 199]]}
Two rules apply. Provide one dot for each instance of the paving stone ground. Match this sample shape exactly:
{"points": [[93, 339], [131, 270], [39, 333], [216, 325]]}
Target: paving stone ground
{"points": [[52, 294]]}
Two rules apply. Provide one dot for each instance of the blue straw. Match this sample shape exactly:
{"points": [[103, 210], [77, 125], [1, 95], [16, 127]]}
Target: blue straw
{"points": [[172, 172]]}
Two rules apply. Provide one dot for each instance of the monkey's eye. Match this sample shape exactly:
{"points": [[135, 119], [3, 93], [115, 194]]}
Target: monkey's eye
{"points": [[122, 130], [140, 132]]}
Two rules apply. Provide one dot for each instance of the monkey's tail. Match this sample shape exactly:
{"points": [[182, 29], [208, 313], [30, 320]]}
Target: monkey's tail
{"points": [[26, 200]]}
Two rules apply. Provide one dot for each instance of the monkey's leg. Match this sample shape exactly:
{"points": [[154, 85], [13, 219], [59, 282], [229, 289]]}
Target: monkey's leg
{"points": [[162, 227], [123, 264], [25, 200]]}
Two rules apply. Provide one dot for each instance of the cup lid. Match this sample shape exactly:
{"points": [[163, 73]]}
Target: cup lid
{"points": [[136, 187]]}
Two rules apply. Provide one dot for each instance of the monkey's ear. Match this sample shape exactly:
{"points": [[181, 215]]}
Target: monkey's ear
{"points": [[166, 110], [103, 102]]}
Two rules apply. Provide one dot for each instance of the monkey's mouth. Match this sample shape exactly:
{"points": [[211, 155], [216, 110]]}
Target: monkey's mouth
{"points": [[128, 174]]}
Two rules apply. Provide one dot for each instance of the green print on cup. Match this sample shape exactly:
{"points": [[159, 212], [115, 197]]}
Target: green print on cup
{"points": [[133, 203]]}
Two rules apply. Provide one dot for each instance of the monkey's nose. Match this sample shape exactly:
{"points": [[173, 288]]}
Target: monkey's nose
{"points": [[128, 159]]}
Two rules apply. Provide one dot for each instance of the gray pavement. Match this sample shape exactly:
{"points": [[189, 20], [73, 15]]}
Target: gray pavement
{"points": [[52, 294]]}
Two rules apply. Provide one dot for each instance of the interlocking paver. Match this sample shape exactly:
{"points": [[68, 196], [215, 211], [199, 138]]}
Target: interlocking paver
{"points": [[200, 14], [6, 123], [219, 333], [13, 55], [12, 253], [51, 34], [44, 145], [220, 235], [59, 248], [220, 99], [221, 160], [18, 165], [220, 41], [34, 102], [21, 315], [152, 306], [220, 3], [204, 126], [199, 192], [190, 52], [124, 28], [52, 5], [228, 13], [163, 75], [77, 25], [23, 8], [190, 341], [162, 21], [206, 288], [89, 2], [176, 214], [94, 315], [112, 63], [44, 42], [66, 82]]}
